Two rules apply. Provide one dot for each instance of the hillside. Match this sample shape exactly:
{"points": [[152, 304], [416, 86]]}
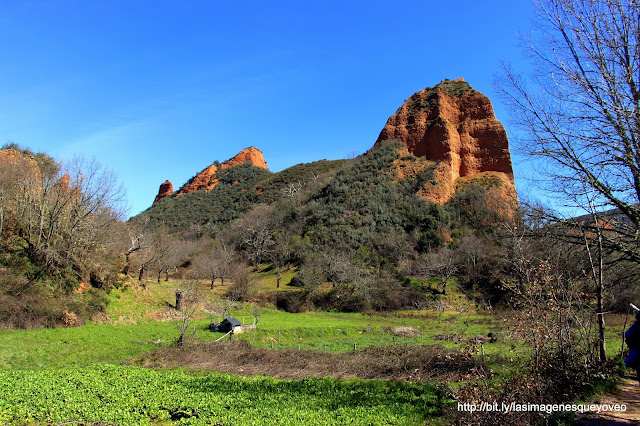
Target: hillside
{"points": [[237, 189], [375, 218], [448, 131], [59, 233]]}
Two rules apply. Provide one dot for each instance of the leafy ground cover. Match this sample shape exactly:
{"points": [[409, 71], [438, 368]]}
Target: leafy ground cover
{"points": [[132, 395]]}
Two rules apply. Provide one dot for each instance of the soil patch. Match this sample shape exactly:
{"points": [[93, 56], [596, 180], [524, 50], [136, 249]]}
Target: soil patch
{"points": [[628, 394], [398, 362]]}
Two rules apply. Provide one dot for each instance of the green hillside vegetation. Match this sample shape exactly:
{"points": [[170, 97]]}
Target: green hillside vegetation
{"points": [[239, 188], [234, 195], [362, 205]]}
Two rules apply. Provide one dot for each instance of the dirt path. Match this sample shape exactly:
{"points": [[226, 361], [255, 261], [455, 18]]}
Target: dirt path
{"points": [[628, 394]]}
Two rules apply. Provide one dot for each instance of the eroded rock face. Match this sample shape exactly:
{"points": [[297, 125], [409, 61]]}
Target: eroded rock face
{"points": [[207, 179], [454, 125], [166, 189], [16, 166], [248, 154]]}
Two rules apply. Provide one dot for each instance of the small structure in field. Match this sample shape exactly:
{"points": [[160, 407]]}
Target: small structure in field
{"points": [[230, 324]]}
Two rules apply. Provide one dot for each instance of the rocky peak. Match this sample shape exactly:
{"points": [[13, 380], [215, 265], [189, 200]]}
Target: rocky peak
{"points": [[166, 189], [207, 180], [454, 125], [252, 154], [19, 167]]}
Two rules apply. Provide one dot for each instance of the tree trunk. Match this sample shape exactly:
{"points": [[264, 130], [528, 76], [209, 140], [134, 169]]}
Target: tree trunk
{"points": [[213, 278], [166, 274], [598, 277], [179, 300], [600, 313], [127, 264], [159, 272], [141, 273]]}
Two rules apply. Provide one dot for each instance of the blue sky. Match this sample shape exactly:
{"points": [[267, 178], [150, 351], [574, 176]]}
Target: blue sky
{"points": [[159, 90]]}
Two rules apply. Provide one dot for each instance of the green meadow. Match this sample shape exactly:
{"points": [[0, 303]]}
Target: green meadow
{"points": [[76, 374]]}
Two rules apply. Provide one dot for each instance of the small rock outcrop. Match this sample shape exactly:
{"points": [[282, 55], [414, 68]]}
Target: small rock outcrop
{"points": [[252, 154], [454, 125], [16, 166], [207, 180], [166, 189]]}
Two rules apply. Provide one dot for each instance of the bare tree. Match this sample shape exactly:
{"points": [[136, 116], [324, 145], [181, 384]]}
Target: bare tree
{"points": [[62, 211], [580, 109], [291, 189], [282, 255], [338, 267], [553, 314], [226, 304], [256, 230], [188, 301], [580, 112], [218, 262], [136, 235], [175, 253], [154, 247], [439, 264], [243, 284]]}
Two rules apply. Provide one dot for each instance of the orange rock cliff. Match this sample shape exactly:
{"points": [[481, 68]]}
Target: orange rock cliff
{"points": [[206, 180], [16, 165], [454, 125], [166, 189]]}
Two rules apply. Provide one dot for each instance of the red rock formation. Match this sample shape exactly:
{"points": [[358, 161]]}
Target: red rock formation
{"points": [[207, 179], [16, 166], [63, 183], [248, 154], [454, 125], [64, 186], [166, 189]]}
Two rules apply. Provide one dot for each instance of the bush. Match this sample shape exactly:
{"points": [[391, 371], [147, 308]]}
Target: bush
{"points": [[28, 304]]}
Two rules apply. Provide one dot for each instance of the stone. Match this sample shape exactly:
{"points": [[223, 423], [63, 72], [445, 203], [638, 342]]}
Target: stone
{"points": [[455, 126], [166, 189], [207, 180]]}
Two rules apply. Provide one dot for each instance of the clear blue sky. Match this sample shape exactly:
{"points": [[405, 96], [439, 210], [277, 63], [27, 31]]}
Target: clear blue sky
{"points": [[160, 89]]}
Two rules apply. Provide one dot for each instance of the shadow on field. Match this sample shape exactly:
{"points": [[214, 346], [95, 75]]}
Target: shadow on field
{"points": [[398, 362]]}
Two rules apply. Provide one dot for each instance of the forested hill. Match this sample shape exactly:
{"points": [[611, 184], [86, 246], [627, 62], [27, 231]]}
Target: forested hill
{"points": [[238, 189]]}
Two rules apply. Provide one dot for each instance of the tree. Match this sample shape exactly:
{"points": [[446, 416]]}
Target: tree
{"points": [[243, 285], [188, 301], [62, 211], [283, 254], [580, 108], [438, 264], [552, 311], [256, 230], [337, 267], [580, 112], [217, 262], [174, 253]]}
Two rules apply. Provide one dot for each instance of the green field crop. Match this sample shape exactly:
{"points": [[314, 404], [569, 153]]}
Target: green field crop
{"points": [[131, 395]]}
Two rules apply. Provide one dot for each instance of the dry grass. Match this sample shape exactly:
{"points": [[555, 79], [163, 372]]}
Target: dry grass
{"points": [[403, 331], [397, 362]]}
